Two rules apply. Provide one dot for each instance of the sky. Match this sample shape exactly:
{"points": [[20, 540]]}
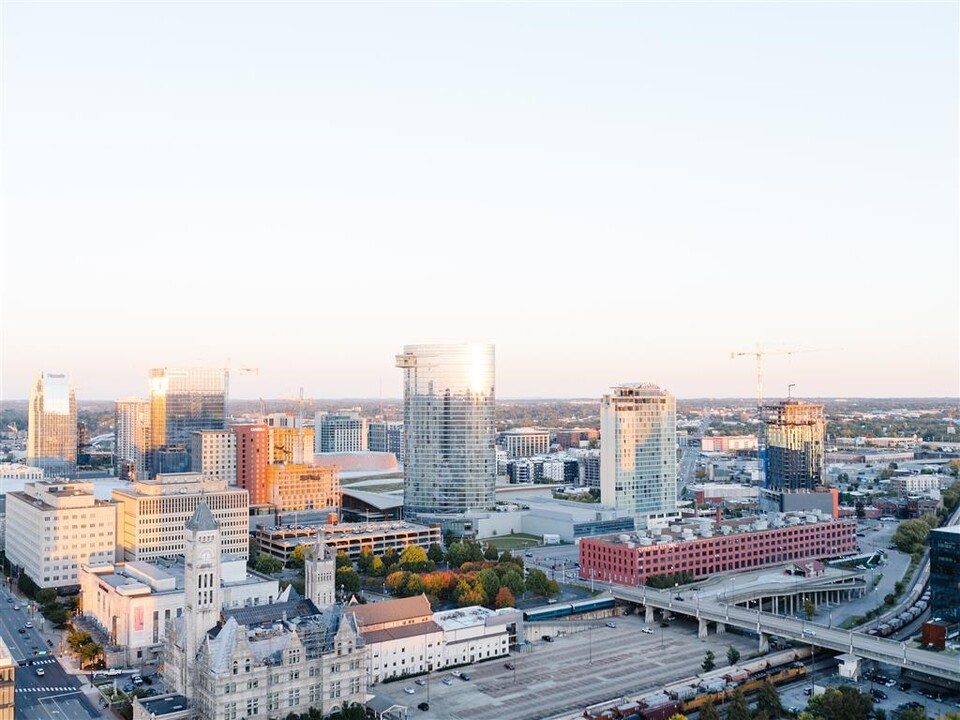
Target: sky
{"points": [[623, 192]]}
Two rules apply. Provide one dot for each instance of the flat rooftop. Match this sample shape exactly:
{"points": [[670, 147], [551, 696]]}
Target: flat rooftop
{"points": [[702, 528], [164, 705]]}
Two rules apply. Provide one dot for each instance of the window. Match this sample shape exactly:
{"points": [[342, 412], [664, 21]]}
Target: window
{"points": [[253, 706]]}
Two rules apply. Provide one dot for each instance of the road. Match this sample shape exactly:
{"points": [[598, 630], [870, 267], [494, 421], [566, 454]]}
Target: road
{"points": [[57, 694], [864, 646]]}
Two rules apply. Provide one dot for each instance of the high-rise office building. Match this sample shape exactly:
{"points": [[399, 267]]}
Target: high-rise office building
{"points": [[638, 452], [131, 438], [183, 402], [386, 436], [450, 455], [795, 437], [214, 455], [253, 456], [342, 431], [52, 424], [945, 573]]}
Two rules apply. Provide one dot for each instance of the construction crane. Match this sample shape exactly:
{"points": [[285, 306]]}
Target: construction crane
{"points": [[758, 354], [241, 370]]}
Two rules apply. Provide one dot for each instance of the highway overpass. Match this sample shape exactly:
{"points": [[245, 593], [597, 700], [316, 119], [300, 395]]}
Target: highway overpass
{"points": [[709, 609]]}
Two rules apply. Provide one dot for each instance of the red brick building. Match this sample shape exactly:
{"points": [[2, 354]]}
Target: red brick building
{"points": [[253, 453], [747, 544]]}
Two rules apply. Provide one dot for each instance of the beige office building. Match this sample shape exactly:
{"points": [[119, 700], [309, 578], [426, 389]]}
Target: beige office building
{"points": [[153, 513], [54, 528], [213, 454]]}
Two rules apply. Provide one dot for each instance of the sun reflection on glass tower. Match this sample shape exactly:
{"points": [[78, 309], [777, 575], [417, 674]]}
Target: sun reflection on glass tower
{"points": [[638, 452], [52, 424], [450, 461], [182, 402]]}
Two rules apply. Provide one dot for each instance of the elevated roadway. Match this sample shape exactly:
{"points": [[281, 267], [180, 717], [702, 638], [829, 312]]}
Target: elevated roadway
{"points": [[707, 609]]}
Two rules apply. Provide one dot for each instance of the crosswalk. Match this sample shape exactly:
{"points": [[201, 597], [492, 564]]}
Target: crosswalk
{"points": [[48, 689], [43, 661]]}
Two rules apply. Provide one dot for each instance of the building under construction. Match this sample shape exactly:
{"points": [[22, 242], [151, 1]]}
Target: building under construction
{"points": [[795, 437]]}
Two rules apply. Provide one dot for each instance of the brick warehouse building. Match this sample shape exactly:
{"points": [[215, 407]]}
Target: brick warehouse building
{"points": [[703, 547]]}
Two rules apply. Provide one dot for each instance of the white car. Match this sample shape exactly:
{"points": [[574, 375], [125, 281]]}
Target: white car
{"points": [[409, 690], [647, 631], [40, 672]]}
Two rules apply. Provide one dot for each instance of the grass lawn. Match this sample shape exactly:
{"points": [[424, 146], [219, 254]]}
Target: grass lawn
{"points": [[514, 542]]}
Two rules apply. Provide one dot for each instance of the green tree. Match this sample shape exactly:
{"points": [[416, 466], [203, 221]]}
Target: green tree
{"points": [[913, 714], [809, 609], [843, 703], [708, 711], [491, 553], [474, 552], [435, 553], [513, 581], [536, 582], [491, 584], [365, 560], [768, 701], [298, 557], [457, 554], [738, 708], [343, 560], [267, 564], [733, 655], [347, 580], [413, 558], [415, 586], [709, 661]]}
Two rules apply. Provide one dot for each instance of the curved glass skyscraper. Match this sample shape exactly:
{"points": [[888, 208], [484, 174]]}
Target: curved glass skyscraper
{"points": [[450, 463]]}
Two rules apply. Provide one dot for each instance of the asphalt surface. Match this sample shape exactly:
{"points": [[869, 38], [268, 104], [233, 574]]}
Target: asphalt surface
{"points": [[57, 694]]}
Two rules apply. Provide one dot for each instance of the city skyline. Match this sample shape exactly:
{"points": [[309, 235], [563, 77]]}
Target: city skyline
{"points": [[608, 194]]}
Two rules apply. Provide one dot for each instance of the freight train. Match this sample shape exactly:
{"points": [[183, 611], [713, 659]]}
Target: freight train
{"points": [[905, 618], [716, 686]]}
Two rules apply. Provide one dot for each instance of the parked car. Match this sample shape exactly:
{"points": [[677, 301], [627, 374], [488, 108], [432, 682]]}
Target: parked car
{"points": [[21, 631], [464, 676], [420, 681], [423, 706], [447, 681], [546, 638], [905, 686], [409, 690], [456, 673], [509, 666], [16, 607], [611, 624], [646, 631], [29, 624]]}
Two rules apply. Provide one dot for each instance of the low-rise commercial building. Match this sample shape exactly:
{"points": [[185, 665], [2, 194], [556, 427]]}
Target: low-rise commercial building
{"points": [[577, 437], [53, 528], [716, 493], [350, 538], [404, 637], [525, 442], [728, 443], [702, 547]]}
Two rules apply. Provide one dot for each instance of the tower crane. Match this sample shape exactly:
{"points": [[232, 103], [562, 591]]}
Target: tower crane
{"points": [[758, 355]]}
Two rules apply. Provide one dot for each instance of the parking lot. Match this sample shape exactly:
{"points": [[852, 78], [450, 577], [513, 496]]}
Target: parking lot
{"points": [[570, 673]]}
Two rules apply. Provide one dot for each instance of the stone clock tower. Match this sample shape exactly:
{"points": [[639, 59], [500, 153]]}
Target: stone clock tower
{"points": [[201, 584]]}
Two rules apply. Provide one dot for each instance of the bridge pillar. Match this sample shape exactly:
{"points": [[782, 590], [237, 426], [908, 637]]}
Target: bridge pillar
{"points": [[721, 628], [702, 629], [764, 643], [648, 618]]}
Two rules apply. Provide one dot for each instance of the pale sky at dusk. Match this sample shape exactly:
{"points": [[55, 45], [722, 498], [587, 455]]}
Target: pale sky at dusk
{"points": [[608, 193]]}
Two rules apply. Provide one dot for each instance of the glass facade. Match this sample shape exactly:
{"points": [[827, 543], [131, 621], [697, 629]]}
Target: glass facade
{"points": [[183, 402], [450, 457], [795, 435], [638, 451], [945, 573], [52, 424], [132, 438]]}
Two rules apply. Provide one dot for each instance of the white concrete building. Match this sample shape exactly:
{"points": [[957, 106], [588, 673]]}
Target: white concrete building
{"points": [[131, 437], [19, 472], [638, 452], [153, 513], [342, 431], [213, 454], [475, 633], [525, 442], [130, 603], [404, 637], [55, 527]]}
